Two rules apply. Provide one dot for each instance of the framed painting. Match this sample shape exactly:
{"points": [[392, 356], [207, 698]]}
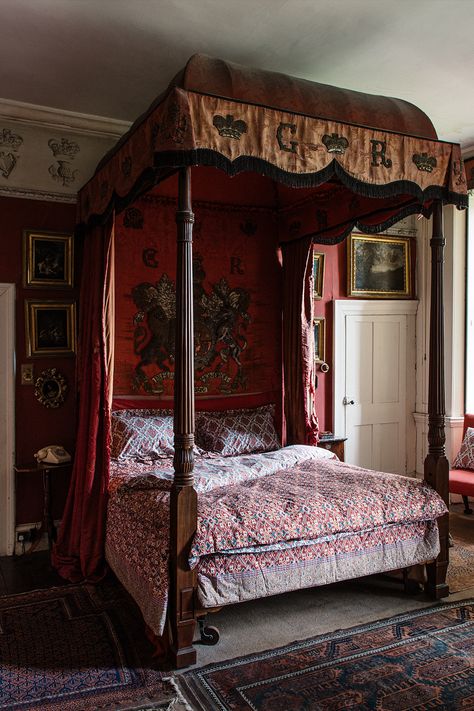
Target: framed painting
{"points": [[319, 330], [48, 259], [50, 328], [318, 275], [379, 267]]}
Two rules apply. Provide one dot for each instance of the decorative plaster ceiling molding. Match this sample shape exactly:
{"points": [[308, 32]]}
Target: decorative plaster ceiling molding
{"points": [[32, 194], [468, 151], [57, 119], [47, 162]]}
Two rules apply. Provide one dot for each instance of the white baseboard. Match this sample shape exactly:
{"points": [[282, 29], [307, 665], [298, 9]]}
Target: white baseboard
{"points": [[41, 545]]}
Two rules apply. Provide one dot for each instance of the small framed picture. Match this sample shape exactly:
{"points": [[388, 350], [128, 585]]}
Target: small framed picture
{"points": [[48, 259], [318, 275], [379, 267], [319, 330], [50, 328]]}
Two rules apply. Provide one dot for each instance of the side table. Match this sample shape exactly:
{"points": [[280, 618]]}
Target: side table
{"points": [[47, 523], [334, 444]]}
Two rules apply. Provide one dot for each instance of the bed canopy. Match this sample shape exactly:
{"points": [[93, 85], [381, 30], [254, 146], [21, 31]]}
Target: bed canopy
{"points": [[374, 160], [299, 133]]}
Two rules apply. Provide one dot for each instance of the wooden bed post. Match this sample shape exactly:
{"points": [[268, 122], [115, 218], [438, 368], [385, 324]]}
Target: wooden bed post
{"points": [[436, 463], [183, 500]]}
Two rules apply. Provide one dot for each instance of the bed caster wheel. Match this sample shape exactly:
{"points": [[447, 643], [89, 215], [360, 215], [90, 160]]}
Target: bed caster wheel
{"points": [[209, 635]]}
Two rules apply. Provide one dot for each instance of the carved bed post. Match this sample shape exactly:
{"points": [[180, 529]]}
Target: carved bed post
{"points": [[183, 502], [436, 463]]}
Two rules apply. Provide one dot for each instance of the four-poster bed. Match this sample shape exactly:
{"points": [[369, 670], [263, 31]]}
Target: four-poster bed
{"points": [[336, 159]]}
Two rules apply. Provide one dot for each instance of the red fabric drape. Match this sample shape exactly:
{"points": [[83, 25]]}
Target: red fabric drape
{"points": [[79, 551], [298, 345]]}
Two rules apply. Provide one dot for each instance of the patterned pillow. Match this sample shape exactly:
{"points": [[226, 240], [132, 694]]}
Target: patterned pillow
{"points": [[142, 412], [234, 432], [465, 457], [135, 436]]}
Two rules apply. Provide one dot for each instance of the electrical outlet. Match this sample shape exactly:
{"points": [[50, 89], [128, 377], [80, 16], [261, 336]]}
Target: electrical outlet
{"points": [[27, 536], [27, 373]]}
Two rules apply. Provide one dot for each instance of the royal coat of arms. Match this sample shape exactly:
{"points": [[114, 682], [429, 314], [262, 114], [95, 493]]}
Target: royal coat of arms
{"points": [[220, 321]]}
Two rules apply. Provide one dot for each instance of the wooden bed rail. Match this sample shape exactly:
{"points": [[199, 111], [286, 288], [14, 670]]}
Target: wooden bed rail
{"points": [[436, 470], [183, 498]]}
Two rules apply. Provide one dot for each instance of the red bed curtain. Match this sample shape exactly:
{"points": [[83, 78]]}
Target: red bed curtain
{"points": [[79, 551], [298, 344]]}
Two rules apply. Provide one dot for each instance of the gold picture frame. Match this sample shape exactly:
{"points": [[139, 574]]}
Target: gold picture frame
{"points": [[51, 388], [48, 259], [50, 328], [319, 334], [379, 267], [318, 274]]}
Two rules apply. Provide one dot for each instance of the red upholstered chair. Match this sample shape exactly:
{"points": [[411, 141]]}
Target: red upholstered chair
{"points": [[461, 481]]}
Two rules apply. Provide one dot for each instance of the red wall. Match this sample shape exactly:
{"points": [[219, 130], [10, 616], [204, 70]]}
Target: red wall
{"points": [[334, 287], [237, 243], [36, 425]]}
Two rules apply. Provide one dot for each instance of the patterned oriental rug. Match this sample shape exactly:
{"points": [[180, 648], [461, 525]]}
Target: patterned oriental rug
{"points": [[461, 555], [421, 660], [77, 648]]}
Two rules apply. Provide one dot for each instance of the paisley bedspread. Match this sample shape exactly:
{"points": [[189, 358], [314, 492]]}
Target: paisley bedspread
{"points": [[211, 470], [317, 521]]}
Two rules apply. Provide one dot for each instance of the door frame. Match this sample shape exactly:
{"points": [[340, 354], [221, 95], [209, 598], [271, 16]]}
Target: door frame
{"points": [[7, 424], [351, 307]]}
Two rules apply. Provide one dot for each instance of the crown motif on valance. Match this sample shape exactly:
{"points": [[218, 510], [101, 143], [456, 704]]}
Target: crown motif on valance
{"points": [[424, 162], [229, 127], [335, 143]]}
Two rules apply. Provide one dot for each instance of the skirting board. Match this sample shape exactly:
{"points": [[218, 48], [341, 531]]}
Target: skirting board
{"points": [[42, 544]]}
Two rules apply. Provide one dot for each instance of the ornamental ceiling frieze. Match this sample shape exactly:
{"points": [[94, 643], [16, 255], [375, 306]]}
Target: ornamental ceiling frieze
{"points": [[46, 162]]}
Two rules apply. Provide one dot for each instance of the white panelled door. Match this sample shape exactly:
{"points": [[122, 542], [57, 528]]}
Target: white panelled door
{"points": [[371, 384], [376, 392]]}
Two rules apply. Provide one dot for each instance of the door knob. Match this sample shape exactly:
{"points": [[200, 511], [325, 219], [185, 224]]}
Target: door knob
{"points": [[348, 402]]}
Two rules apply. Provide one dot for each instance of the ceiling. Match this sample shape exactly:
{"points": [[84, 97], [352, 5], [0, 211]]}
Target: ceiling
{"points": [[112, 57]]}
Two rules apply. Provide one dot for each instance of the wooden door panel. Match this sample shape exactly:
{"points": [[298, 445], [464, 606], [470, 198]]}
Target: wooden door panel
{"points": [[375, 413], [359, 446], [386, 382]]}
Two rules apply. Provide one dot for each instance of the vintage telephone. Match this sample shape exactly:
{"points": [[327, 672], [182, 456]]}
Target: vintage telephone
{"points": [[54, 454]]}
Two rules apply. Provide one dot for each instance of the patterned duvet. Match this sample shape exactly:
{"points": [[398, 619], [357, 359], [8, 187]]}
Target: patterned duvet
{"points": [[267, 523]]}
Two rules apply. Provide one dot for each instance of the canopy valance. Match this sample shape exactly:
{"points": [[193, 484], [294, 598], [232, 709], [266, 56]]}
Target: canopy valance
{"points": [[285, 140]]}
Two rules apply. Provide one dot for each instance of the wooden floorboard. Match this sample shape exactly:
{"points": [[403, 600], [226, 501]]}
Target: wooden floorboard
{"points": [[3, 585], [27, 572]]}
